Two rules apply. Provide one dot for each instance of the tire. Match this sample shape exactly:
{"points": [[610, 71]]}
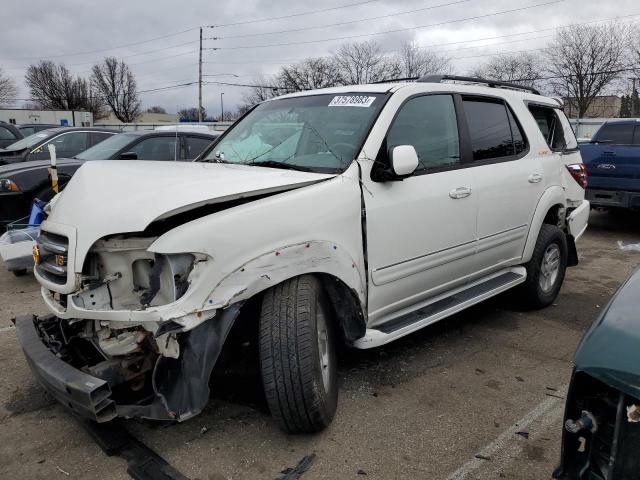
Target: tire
{"points": [[301, 390], [543, 280], [19, 273]]}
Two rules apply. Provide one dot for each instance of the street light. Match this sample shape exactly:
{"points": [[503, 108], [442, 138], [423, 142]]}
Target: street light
{"points": [[221, 107]]}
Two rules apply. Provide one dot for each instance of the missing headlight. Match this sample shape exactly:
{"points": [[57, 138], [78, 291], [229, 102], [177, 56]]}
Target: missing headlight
{"points": [[162, 280]]}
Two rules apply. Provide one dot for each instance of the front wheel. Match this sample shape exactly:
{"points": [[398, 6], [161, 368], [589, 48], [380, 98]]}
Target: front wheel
{"points": [[546, 269], [298, 355]]}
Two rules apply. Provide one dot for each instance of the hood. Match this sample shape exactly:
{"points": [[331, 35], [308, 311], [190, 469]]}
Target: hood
{"points": [[110, 197], [610, 350], [21, 167]]}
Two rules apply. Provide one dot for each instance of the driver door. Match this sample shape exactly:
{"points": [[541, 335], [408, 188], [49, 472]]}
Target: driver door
{"points": [[421, 230]]}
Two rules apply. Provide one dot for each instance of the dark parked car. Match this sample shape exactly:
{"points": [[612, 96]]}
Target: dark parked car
{"points": [[69, 141], [20, 183], [9, 134], [30, 128], [602, 417], [612, 159]]}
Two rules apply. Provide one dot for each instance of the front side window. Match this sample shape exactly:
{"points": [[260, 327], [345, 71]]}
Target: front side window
{"points": [[320, 133], [156, 148], [616, 134], [429, 124], [194, 146], [71, 143], [493, 130]]}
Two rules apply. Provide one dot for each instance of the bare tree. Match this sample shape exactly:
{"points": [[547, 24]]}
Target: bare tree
{"points": [[364, 62], [263, 90], [414, 61], [8, 89], [52, 86], [522, 68], [583, 60], [117, 86], [156, 109], [318, 72]]}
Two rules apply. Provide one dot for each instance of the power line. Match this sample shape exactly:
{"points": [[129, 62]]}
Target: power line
{"points": [[418, 27], [293, 15], [87, 52], [349, 22]]}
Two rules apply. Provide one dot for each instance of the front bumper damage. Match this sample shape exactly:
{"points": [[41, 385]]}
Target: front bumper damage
{"points": [[101, 388]]}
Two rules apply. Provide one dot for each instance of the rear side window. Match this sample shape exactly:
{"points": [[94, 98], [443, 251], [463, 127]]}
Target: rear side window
{"points": [[551, 126], [6, 134], [429, 123], [636, 136], [616, 134], [100, 136], [493, 129]]}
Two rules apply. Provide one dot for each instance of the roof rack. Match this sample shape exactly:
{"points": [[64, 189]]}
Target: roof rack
{"points": [[396, 80], [488, 82]]}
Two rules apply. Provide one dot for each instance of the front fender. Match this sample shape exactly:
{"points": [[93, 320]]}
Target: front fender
{"points": [[276, 266], [552, 196]]}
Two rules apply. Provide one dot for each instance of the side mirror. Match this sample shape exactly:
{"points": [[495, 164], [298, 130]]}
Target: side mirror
{"points": [[404, 160], [128, 156]]}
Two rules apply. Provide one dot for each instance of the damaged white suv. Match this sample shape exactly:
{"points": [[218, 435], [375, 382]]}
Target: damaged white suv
{"points": [[355, 214]]}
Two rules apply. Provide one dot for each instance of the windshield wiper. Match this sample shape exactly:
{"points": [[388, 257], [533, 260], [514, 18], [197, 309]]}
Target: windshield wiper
{"points": [[283, 165]]}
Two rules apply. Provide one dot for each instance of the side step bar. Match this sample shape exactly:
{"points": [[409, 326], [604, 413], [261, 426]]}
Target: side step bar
{"points": [[441, 308]]}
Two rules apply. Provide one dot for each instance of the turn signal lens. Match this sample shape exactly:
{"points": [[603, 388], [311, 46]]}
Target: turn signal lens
{"points": [[7, 185], [579, 173]]}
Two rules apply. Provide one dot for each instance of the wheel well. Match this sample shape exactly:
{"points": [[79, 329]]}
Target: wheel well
{"points": [[555, 216], [346, 307]]}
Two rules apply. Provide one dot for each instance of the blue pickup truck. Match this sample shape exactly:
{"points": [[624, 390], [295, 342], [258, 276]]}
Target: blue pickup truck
{"points": [[612, 159]]}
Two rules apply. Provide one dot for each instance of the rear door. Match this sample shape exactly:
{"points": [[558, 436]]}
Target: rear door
{"points": [[617, 167], [509, 180]]}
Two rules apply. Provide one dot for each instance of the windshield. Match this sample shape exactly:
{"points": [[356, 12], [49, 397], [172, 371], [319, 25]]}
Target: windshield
{"points": [[320, 133], [107, 148], [29, 141]]}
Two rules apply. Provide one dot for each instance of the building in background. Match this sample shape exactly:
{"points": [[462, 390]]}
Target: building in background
{"points": [[64, 118], [145, 117], [606, 106]]}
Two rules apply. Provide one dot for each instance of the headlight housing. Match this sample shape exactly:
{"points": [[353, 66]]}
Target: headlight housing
{"points": [[7, 185]]}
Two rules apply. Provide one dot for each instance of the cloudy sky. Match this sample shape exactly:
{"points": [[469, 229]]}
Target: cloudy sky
{"points": [[159, 38]]}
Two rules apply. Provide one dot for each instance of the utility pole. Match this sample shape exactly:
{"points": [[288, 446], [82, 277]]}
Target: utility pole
{"points": [[200, 80], [221, 107]]}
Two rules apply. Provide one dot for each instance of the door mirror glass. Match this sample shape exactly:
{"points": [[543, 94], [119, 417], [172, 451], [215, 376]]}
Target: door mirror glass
{"points": [[128, 156], [404, 160]]}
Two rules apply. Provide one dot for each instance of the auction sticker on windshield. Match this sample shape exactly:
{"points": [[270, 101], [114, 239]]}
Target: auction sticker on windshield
{"points": [[351, 101]]}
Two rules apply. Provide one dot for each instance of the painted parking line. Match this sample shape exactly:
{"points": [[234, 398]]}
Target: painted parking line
{"points": [[504, 448], [7, 329]]}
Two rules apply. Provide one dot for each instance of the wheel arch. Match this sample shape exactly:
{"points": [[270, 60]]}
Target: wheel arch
{"points": [[550, 210], [337, 270]]}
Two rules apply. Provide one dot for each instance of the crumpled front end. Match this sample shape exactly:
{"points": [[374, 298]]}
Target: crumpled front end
{"points": [[99, 375]]}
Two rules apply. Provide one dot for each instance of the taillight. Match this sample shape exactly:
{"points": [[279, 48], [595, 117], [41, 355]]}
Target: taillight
{"points": [[579, 173]]}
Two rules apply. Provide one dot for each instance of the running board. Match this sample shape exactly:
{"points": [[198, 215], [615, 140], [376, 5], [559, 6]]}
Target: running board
{"points": [[441, 308]]}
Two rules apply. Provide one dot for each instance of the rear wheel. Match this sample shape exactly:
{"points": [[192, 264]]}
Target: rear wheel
{"points": [[298, 355], [546, 269], [19, 273]]}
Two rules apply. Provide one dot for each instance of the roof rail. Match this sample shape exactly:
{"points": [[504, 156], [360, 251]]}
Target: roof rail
{"points": [[488, 82], [393, 80]]}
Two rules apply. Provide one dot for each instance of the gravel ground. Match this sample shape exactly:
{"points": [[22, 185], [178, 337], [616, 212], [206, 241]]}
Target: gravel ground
{"points": [[444, 403]]}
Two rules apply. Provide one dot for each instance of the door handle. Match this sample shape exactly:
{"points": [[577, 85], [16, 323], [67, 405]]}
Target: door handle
{"points": [[535, 178], [460, 192], [609, 154]]}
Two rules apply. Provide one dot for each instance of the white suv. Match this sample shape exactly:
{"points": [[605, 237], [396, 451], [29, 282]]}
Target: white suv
{"points": [[355, 214]]}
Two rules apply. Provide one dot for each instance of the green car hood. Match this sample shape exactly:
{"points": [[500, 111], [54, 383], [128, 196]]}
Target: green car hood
{"points": [[610, 350]]}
